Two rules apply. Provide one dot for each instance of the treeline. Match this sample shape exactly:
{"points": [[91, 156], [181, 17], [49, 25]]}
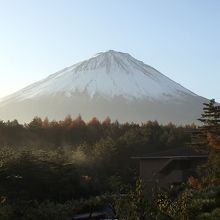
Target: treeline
{"points": [[73, 132], [59, 163], [55, 169], [99, 149]]}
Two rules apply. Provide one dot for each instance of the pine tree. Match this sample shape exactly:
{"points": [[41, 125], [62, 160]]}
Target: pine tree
{"points": [[210, 119], [209, 135], [211, 122]]}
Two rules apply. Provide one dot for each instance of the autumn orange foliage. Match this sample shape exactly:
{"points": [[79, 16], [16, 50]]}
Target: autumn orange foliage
{"points": [[195, 183], [214, 141]]}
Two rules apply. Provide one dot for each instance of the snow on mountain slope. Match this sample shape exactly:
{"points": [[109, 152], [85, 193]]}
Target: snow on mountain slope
{"points": [[108, 74], [110, 84]]}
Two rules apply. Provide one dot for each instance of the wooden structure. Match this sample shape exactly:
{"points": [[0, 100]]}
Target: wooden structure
{"points": [[168, 167]]}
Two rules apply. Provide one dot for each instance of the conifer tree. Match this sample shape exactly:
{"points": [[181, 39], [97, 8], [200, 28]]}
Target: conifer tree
{"points": [[209, 135], [210, 119], [211, 122]]}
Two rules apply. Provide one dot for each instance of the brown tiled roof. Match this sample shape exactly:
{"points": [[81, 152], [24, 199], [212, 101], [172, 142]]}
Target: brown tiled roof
{"points": [[174, 152]]}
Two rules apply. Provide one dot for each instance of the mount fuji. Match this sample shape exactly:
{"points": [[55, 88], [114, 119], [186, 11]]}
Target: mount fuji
{"points": [[110, 84]]}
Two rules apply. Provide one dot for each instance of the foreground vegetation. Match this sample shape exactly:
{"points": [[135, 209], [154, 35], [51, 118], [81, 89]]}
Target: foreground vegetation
{"points": [[95, 151], [53, 170]]}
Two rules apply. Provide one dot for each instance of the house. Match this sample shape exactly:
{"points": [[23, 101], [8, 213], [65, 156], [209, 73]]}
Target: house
{"points": [[172, 166]]}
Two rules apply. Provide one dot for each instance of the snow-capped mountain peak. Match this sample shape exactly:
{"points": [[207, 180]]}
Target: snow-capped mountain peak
{"points": [[108, 74], [111, 83]]}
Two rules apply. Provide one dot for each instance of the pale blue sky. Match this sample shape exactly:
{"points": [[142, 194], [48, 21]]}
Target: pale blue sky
{"points": [[180, 38]]}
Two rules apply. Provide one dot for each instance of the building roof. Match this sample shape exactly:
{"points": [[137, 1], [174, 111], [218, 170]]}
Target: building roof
{"points": [[178, 153]]}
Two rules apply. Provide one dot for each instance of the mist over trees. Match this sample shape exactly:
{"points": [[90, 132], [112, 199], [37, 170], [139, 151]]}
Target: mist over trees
{"points": [[42, 133], [55, 169], [63, 162]]}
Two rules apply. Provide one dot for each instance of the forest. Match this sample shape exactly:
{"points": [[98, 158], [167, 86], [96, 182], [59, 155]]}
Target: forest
{"points": [[55, 169]]}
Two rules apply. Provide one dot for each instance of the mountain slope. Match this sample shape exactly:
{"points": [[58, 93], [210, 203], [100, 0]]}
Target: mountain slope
{"points": [[109, 84]]}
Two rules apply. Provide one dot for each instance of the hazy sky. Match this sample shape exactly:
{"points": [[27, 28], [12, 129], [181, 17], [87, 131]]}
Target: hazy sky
{"points": [[180, 38]]}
